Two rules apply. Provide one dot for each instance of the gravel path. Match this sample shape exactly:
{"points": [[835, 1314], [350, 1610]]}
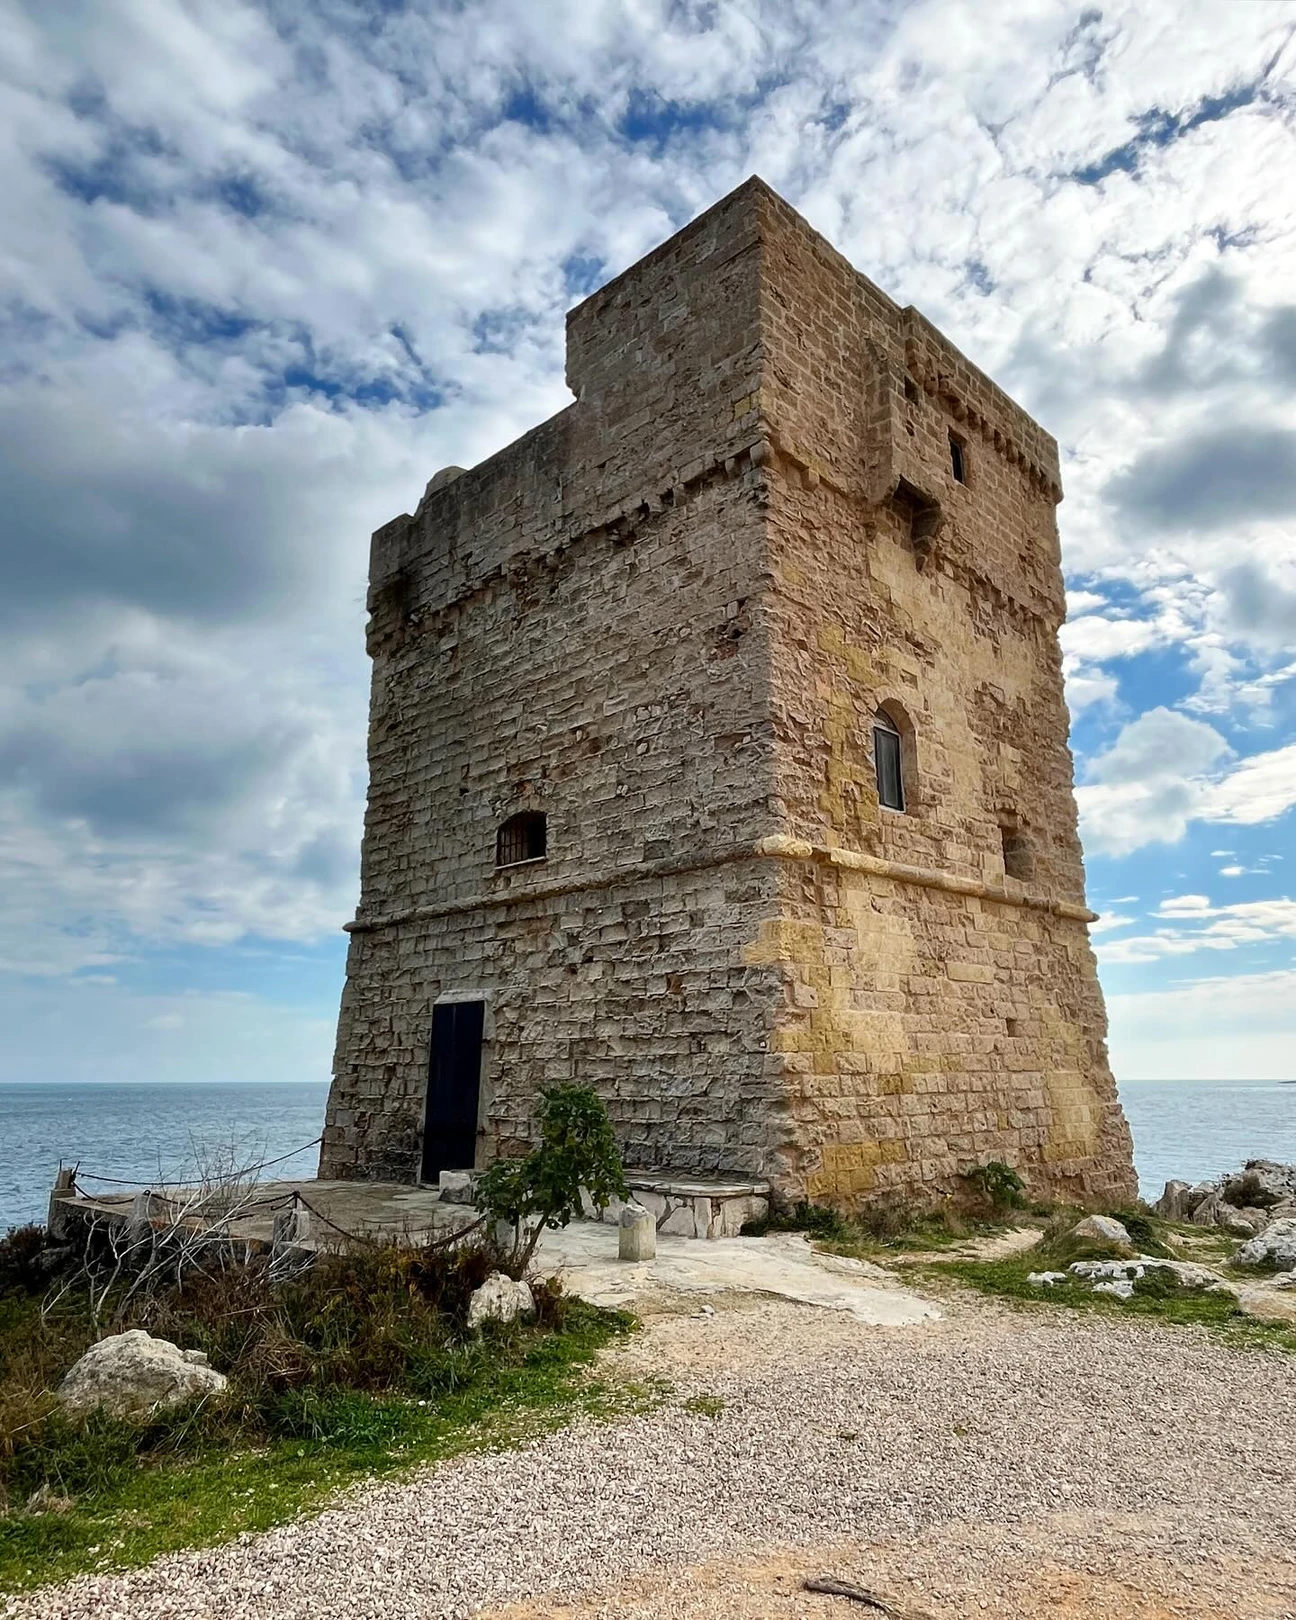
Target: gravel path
{"points": [[831, 1433]]}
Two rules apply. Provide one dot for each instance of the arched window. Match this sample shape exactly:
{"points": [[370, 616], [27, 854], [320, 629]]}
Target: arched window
{"points": [[523, 837], [887, 761]]}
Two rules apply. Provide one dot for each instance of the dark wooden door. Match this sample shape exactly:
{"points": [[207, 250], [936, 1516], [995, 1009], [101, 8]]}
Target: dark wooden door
{"points": [[454, 1080]]}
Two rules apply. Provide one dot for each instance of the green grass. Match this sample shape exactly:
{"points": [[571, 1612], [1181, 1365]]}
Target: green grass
{"points": [[886, 1231], [1158, 1295], [923, 1235], [124, 1508]]}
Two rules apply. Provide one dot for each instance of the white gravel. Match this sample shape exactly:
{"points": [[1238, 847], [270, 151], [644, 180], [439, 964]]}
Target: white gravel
{"points": [[830, 1430]]}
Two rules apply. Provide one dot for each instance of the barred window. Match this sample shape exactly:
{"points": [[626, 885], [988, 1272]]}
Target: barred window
{"points": [[523, 837], [886, 761]]}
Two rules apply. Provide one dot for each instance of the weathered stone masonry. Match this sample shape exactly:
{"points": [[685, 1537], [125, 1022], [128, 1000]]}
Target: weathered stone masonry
{"points": [[666, 618]]}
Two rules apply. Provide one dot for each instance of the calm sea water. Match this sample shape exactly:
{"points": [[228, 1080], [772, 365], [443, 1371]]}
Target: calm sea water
{"points": [[1195, 1129], [139, 1133], [1189, 1128]]}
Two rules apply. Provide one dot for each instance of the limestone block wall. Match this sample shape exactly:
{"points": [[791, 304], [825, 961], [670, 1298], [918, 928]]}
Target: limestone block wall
{"points": [[951, 1016], [572, 628], [640, 989], [666, 618]]}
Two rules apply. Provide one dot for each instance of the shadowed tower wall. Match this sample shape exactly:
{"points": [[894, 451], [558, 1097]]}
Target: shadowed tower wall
{"points": [[666, 619]]}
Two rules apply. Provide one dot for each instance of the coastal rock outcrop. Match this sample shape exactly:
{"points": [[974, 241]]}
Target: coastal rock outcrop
{"points": [[132, 1374], [1244, 1203]]}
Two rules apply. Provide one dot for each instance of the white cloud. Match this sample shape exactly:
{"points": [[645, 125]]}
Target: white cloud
{"points": [[1147, 786], [1222, 928], [1157, 777], [1219, 1028], [262, 281], [1094, 637], [1109, 920], [1159, 744], [1259, 789], [1087, 687], [1186, 905]]}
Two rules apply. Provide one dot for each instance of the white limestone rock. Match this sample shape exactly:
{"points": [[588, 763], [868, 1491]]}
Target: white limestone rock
{"points": [[1192, 1275], [1107, 1270], [1275, 1246], [1119, 1288], [132, 1374], [499, 1299], [1102, 1229], [1189, 1274], [1260, 1182], [1046, 1279], [1267, 1305]]}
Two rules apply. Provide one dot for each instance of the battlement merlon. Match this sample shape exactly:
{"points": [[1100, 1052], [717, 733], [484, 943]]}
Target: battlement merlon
{"points": [[710, 341]]}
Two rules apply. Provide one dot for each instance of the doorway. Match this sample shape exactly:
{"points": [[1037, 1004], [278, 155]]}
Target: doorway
{"points": [[454, 1087]]}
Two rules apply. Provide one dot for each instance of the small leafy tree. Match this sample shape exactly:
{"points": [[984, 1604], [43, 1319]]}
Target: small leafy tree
{"points": [[577, 1149]]}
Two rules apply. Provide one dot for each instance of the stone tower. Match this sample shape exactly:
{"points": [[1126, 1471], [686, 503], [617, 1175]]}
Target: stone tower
{"points": [[719, 759]]}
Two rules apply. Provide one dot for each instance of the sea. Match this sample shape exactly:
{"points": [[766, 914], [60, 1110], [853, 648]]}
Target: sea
{"points": [[124, 1135]]}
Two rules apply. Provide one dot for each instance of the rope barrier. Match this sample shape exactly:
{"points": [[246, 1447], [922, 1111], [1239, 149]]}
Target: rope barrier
{"points": [[261, 1205], [147, 1186]]}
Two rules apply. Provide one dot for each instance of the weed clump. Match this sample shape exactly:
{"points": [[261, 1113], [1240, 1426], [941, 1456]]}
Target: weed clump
{"points": [[998, 1185], [816, 1220]]}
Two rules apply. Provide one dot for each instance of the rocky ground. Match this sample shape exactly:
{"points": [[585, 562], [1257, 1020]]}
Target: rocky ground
{"points": [[1015, 1463]]}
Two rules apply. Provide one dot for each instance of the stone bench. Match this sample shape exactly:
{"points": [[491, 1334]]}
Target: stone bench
{"points": [[692, 1206]]}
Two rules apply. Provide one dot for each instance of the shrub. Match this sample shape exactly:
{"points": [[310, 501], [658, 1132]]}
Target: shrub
{"points": [[1143, 1233], [998, 1184], [337, 1354], [577, 1150], [815, 1219], [23, 1268]]}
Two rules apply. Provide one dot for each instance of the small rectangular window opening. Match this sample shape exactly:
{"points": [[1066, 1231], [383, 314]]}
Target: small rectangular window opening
{"points": [[958, 459], [886, 760], [523, 837]]}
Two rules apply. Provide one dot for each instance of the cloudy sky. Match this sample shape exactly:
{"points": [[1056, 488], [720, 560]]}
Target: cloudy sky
{"points": [[266, 267]]}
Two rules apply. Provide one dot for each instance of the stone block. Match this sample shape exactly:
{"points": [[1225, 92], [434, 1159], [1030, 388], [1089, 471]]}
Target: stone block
{"points": [[636, 1235]]}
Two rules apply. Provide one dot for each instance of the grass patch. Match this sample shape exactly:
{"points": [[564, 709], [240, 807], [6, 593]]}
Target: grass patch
{"points": [[893, 1235], [103, 1501], [877, 1233], [1158, 1295], [705, 1405], [360, 1367]]}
